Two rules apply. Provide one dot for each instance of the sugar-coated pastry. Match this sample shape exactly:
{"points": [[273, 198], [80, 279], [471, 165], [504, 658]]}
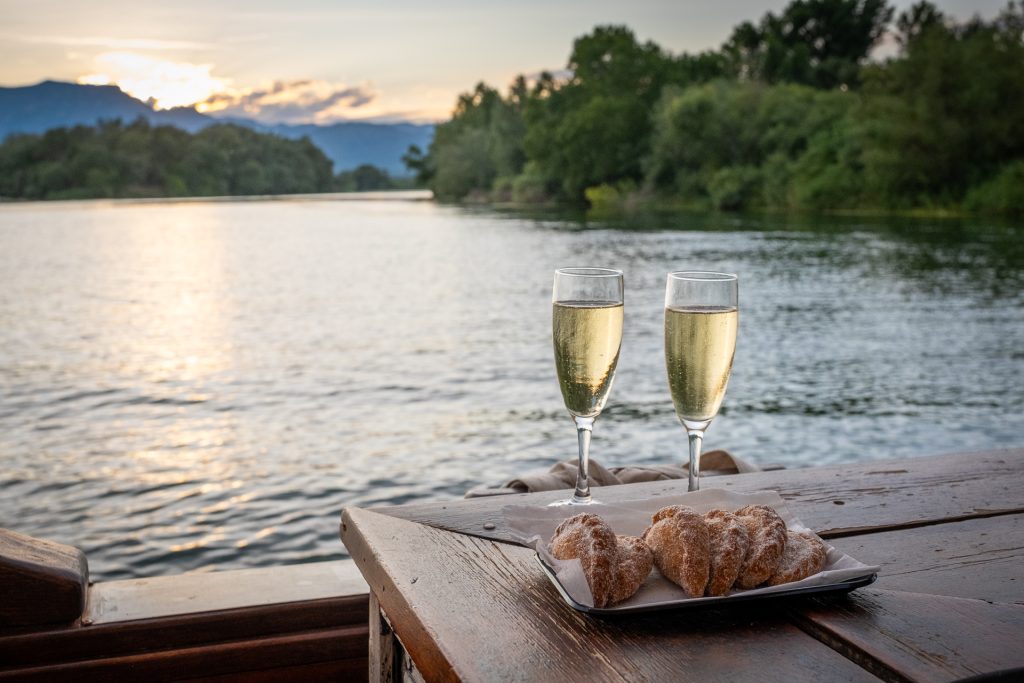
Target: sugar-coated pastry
{"points": [[804, 556], [729, 541], [635, 562], [614, 566], [679, 539], [767, 532]]}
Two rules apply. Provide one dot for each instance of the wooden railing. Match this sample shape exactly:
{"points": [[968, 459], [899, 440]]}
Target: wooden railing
{"points": [[287, 623]]}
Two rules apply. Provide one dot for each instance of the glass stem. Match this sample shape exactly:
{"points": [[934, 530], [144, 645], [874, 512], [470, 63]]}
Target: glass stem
{"points": [[696, 438], [584, 427]]}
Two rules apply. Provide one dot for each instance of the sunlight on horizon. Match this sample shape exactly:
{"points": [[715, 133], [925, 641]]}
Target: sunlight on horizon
{"points": [[165, 83]]}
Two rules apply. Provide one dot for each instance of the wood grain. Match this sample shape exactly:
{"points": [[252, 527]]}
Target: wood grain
{"points": [[165, 596], [382, 645], [471, 609], [917, 637], [981, 558], [125, 639], [41, 582], [219, 658], [835, 501]]}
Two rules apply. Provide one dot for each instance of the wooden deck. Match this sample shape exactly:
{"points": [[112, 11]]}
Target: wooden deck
{"points": [[459, 604], [301, 622], [947, 531]]}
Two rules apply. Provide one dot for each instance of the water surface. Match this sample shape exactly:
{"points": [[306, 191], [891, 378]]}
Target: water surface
{"points": [[206, 384]]}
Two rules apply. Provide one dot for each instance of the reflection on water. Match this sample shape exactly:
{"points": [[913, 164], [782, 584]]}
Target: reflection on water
{"points": [[192, 385]]}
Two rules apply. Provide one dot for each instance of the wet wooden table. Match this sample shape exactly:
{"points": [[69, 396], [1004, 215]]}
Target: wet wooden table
{"points": [[451, 601]]}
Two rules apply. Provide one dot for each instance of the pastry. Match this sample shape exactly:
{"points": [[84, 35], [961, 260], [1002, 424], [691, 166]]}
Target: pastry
{"points": [[635, 562], [729, 541], [804, 556], [614, 566], [679, 540], [767, 534]]}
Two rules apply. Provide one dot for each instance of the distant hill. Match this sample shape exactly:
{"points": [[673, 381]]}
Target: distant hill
{"points": [[354, 143], [52, 104]]}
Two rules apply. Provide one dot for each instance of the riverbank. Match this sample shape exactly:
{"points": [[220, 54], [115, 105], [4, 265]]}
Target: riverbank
{"points": [[609, 203]]}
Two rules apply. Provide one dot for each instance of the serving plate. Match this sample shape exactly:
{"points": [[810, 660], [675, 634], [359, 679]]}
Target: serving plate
{"points": [[633, 607]]}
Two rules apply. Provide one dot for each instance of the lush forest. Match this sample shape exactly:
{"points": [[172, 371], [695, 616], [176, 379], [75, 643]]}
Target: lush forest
{"points": [[792, 112], [115, 159]]}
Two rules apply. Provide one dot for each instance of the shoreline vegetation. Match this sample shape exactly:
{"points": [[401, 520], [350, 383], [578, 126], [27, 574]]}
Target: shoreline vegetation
{"points": [[114, 160], [788, 115]]}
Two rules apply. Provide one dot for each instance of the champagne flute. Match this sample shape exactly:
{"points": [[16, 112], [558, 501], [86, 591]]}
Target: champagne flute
{"points": [[586, 326], [701, 319]]}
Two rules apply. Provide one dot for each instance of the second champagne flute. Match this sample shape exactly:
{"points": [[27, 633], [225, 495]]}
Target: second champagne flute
{"points": [[701, 319], [586, 327]]}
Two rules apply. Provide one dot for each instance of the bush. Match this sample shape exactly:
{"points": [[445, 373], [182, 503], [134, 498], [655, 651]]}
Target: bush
{"points": [[735, 188], [1004, 193], [531, 186]]}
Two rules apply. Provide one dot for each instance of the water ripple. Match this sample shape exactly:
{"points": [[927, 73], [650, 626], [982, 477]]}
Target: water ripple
{"points": [[195, 386]]}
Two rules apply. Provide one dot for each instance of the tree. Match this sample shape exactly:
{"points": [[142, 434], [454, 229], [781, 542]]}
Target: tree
{"points": [[916, 20], [113, 159], [947, 114], [480, 143], [594, 128], [364, 178], [821, 43], [739, 145]]}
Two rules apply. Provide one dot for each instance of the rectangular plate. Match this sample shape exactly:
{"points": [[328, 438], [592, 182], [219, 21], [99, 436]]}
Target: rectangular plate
{"points": [[693, 603]]}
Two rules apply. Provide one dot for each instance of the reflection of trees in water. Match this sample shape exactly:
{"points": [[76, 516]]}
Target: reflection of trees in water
{"points": [[935, 255]]}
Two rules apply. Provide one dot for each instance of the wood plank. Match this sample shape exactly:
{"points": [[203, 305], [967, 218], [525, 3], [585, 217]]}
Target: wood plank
{"points": [[979, 558], [835, 501], [338, 670], [382, 645], [122, 639], [918, 637], [209, 660], [471, 609], [164, 596], [41, 582]]}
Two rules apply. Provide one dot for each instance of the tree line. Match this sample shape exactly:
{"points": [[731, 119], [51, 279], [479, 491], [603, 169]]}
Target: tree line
{"points": [[789, 113], [114, 159]]}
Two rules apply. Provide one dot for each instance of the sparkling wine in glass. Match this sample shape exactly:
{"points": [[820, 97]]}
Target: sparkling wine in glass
{"points": [[701, 320], [586, 327]]}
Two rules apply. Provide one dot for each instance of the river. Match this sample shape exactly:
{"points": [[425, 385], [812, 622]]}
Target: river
{"points": [[204, 385]]}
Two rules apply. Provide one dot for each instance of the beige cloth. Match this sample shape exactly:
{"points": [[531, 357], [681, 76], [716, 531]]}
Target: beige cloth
{"points": [[563, 474]]}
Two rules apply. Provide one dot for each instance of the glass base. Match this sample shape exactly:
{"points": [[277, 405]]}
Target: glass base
{"points": [[573, 502]]}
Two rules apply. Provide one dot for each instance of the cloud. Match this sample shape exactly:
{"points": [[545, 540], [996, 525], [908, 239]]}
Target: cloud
{"points": [[300, 101], [112, 43], [166, 83]]}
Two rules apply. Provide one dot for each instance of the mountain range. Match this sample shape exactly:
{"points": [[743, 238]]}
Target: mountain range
{"points": [[52, 104]]}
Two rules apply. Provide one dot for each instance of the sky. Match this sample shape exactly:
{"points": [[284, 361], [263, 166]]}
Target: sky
{"points": [[319, 61]]}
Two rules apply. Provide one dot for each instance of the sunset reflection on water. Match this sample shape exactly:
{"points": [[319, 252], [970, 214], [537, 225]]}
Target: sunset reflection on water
{"points": [[201, 385]]}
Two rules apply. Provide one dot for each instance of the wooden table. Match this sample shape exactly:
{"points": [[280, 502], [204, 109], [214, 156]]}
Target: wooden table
{"points": [[451, 601]]}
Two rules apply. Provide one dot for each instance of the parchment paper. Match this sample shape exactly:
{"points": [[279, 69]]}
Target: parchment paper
{"points": [[533, 526]]}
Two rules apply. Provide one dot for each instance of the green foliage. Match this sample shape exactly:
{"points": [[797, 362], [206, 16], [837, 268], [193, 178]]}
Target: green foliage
{"points": [[947, 113], [734, 187], [482, 141], [820, 43], [139, 160], [787, 114], [742, 145], [367, 178], [1004, 193], [531, 186], [594, 128]]}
